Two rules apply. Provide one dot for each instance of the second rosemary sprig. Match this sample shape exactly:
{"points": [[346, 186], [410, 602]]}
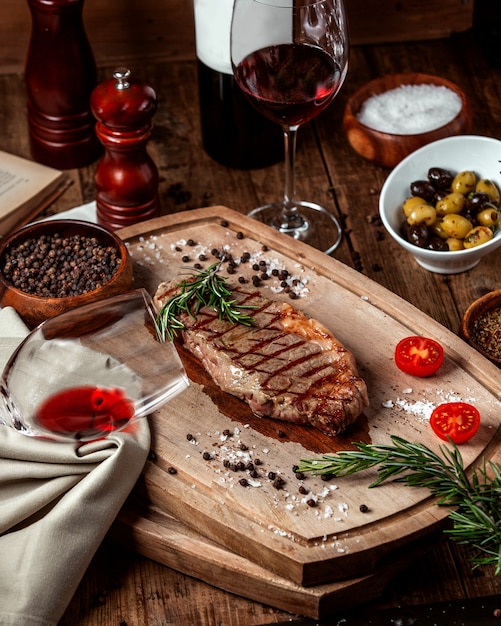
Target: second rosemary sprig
{"points": [[474, 498], [202, 288]]}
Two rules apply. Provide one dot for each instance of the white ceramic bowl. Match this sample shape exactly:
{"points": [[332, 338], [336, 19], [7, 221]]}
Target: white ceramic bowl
{"points": [[467, 152]]}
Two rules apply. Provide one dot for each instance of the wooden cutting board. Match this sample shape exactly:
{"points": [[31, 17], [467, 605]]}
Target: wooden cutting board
{"points": [[276, 528]]}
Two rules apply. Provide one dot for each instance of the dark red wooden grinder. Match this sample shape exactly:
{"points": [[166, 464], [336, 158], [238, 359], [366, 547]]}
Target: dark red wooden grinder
{"points": [[126, 177], [60, 75]]}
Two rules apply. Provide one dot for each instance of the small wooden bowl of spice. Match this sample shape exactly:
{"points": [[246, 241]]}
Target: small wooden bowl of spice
{"points": [[481, 325], [49, 267], [390, 117]]}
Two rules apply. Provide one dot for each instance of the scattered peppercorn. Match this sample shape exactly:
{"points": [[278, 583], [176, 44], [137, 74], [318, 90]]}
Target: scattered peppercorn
{"points": [[244, 482], [302, 490], [364, 508], [207, 456], [311, 502], [278, 483], [172, 470]]}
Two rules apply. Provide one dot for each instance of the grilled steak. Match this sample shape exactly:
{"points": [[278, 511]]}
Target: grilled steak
{"points": [[285, 366]]}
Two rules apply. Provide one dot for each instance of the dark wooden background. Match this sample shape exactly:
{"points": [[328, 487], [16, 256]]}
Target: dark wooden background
{"points": [[123, 588]]}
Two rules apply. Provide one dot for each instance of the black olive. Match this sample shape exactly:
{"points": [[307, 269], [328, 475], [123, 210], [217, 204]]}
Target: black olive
{"points": [[404, 230], [418, 235], [424, 189], [436, 243], [476, 200], [440, 195], [470, 214], [440, 178]]}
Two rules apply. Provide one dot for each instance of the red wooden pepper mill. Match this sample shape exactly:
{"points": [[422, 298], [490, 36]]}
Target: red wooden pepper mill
{"points": [[126, 177], [60, 75]]}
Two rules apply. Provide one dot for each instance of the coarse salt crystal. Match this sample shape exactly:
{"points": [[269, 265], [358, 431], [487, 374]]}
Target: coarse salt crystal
{"points": [[410, 109]]}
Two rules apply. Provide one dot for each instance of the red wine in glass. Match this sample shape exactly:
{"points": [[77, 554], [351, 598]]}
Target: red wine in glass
{"points": [[290, 58], [289, 83], [86, 409]]}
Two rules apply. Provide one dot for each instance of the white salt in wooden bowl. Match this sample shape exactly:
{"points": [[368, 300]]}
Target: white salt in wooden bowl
{"points": [[412, 111]]}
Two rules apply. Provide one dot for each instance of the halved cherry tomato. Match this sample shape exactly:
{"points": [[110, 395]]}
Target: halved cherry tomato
{"points": [[458, 421], [419, 356]]}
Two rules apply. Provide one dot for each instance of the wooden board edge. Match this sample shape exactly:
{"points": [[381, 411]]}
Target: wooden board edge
{"points": [[158, 536], [285, 556]]}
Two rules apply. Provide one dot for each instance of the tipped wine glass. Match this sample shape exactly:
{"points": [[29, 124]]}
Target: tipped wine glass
{"points": [[290, 58], [90, 371]]}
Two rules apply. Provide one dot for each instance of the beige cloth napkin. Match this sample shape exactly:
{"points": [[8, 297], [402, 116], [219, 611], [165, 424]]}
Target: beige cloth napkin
{"points": [[57, 501]]}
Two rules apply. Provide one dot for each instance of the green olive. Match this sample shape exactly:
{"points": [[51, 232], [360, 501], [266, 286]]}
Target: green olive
{"points": [[488, 217], [437, 229], [451, 203], [487, 186], [410, 203], [464, 182], [422, 214], [456, 226], [477, 236], [454, 244]]}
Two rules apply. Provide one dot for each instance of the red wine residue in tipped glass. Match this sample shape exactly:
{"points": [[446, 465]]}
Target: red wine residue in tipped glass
{"points": [[85, 410], [289, 83]]}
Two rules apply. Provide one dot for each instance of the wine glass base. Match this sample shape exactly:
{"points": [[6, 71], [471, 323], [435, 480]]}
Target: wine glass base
{"points": [[314, 224]]}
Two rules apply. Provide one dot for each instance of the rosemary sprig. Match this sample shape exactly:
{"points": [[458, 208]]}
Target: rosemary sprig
{"points": [[204, 288], [475, 501]]}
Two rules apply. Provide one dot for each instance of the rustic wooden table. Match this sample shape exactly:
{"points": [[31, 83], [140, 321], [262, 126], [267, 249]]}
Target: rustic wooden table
{"points": [[123, 588]]}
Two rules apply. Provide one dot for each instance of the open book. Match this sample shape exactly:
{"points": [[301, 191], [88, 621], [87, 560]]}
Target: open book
{"points": [[26, 189]]}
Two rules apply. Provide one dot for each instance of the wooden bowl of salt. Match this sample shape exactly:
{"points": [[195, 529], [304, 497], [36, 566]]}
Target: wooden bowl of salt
{"points": [[390, 117]]}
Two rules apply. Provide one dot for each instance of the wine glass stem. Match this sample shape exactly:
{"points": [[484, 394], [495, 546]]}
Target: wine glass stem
{"points": [[289, 219]]}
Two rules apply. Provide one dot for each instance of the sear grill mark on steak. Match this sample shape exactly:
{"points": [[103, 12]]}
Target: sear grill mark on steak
{"points": [[285, 366]]}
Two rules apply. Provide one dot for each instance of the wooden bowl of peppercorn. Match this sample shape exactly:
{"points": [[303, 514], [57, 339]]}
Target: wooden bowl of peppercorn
{"points": [[481, 325], [49, 267]]}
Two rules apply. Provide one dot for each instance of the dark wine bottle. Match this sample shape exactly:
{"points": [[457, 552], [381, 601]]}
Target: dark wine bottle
{"points": [[233, 132]]}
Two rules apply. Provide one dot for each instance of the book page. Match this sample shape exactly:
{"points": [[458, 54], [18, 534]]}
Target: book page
{"points": [[26, 187], [22, 179]]}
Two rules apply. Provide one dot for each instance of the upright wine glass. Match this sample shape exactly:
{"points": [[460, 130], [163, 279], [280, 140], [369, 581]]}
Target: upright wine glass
{"points": [[290, 58]]}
